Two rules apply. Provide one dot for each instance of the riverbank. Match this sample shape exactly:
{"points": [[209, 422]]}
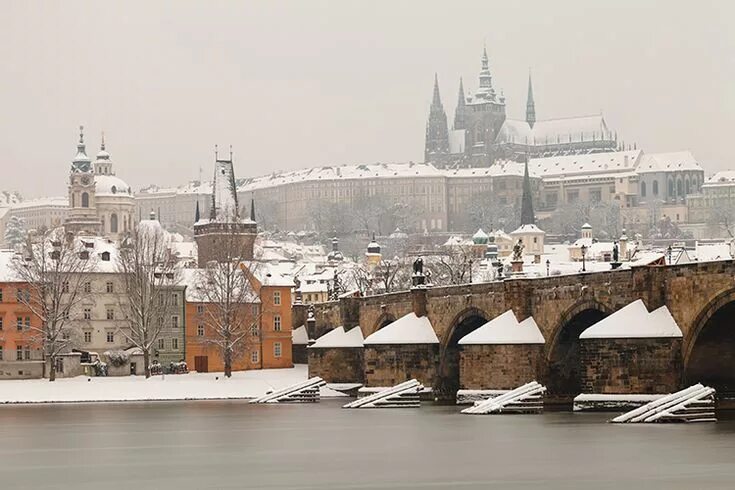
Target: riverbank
{"points": [[192, 386]]}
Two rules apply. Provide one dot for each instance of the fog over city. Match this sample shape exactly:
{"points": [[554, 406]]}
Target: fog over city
{"points": [[298, 84]]}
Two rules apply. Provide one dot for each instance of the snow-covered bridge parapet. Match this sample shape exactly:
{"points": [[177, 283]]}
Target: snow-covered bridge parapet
{"points": [[697, 296]]}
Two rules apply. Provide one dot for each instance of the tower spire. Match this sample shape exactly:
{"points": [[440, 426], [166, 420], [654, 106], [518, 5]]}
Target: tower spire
{"points": [[252, 209], [530, 104], [459, 116], [102, 145], [436, 101], [527, 216], [486, 90], [437, 132]]}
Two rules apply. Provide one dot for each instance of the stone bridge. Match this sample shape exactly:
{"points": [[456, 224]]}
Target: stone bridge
{"points": [[700, 296]]}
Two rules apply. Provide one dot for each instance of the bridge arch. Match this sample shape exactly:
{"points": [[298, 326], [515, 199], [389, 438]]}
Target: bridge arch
{"points": [[562, 348], [384, 319], [709, 348], [464, 322]]}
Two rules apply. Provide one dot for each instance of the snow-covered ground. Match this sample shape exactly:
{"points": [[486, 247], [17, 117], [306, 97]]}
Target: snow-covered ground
{"points": [[192, 386]]}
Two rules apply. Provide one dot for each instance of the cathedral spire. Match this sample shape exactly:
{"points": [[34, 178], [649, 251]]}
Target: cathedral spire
{"points": [[527, 216], [437, 132], [486, 90], [459, 112], [197, 215], [530, 104], [252, 209], [102, 144]]}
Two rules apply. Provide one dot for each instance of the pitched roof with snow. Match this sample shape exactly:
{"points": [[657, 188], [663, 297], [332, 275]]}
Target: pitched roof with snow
{"points": [[339, 338], [667, 162], [555, 131], [299, 336], [634, 321], [409, 329], [505, 329]]}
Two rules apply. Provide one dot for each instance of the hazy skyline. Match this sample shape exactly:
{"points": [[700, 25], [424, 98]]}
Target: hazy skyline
{"points": [[298, 84]]}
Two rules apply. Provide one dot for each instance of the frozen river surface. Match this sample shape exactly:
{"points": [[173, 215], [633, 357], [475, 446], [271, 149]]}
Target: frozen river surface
{"points": [[216, 444]]}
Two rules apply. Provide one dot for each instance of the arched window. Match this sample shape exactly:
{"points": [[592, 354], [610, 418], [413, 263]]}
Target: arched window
{"points": [[679, 187], [686, 186], [73, 200], [85, 200], [655, 187], [113, 223], [671, 188], [114, 189], [643, 189]]}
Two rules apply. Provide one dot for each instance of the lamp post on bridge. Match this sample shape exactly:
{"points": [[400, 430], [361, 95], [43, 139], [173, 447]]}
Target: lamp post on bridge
{"points": [[584, 253]]}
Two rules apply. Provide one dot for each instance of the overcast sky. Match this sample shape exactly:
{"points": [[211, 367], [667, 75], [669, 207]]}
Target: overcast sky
{"points": [[303, 83]]}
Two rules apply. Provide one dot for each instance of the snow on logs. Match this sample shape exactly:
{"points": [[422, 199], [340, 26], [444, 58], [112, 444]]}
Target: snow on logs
{"points": [[524, 399], [403, 395], [693, 404], [304, 392]]}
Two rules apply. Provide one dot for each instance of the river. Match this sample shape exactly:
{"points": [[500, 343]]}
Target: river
{"points": [[223, 445]]}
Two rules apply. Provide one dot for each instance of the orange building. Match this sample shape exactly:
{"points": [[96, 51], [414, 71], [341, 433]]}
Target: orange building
{"points": [[268, 344], [20, 352]]}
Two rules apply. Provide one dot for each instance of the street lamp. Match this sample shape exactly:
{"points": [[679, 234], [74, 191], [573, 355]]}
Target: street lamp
{"points": [[548, 263], [584, 252]]}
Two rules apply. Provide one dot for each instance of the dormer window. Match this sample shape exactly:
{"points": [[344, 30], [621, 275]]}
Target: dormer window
{"points": [[114, 189], [106, 256]]}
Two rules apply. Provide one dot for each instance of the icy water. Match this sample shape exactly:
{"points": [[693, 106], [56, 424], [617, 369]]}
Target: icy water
{"points": [[199, 445]]}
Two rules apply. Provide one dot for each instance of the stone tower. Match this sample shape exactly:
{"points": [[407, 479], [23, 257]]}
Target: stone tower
{"points": [[225, 236], [436, 149], [484, 115], [82, 217], [530, 105]]}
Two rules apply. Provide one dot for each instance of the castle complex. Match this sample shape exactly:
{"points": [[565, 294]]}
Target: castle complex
{"points": [[482, 134]]}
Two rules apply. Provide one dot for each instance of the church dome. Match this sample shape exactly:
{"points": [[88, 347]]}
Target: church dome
{"points": [[480, 237], [110, 185], [102, 155]]}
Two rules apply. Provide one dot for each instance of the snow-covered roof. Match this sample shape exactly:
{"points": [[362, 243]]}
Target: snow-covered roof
{"points": [[339, 338], [721, 179], [528, 229], [110, 185], [710, 252], [634, 321], [7, 274], [299, 336], [555, 131], [505, 329], [591, 165], [480, 234], [43, 202], [409, 329], [646, 257], [667, 162]]}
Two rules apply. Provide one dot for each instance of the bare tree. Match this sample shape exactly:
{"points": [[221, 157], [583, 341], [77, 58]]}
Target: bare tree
{"points": [[149, 272], [456, 266], [226, 287], [57, 269]]}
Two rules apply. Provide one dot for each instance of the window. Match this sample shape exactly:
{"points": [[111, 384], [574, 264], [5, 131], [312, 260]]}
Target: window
{"points": [[113, 223], [1, 295], [595, 195], [253, 356], [85, 200], [175, 344], [175, 299], [277, 323], [109, 287], [110, 314], [200, 330], [277, 298], [1, 324], [643, 189], [87, 287], [18, 353], [110, 337], [161, 344], [655, 187], [106, 256], [27, 352], [87, 313], [1, 352], [255, 310], [87, 336], [19, 323], [254, 331], [277, 349], [175, 321], [65, 335], [200, 309], [28, 323], [65, 287]]}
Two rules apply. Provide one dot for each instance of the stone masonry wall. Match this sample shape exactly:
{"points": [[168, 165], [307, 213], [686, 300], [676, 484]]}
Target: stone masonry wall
{"points": [[337, 364], [631, 366], [388, 365], [499, 367]]}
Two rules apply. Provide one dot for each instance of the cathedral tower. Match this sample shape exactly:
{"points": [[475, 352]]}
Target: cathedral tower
{"points": [[459, 112], [225, 235], [436, 149], [530, 105], [82, 217]]}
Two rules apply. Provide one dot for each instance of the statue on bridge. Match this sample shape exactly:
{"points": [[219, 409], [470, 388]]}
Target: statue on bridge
{"points": [[518, 251], [615, 251], [418, 278]]}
